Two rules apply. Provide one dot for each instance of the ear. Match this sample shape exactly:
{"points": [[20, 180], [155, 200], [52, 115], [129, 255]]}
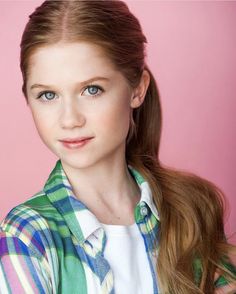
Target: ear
{"points": [[140, 91]]}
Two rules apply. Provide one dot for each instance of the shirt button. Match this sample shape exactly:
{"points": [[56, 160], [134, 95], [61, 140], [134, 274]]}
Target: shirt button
{"points": [[143, 210]]}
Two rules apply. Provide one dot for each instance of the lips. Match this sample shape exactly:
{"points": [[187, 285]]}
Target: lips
{"points": [[75, 140], [75, 143]]}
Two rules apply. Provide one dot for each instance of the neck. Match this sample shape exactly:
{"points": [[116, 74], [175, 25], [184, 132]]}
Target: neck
{"points": [[108, 190]]}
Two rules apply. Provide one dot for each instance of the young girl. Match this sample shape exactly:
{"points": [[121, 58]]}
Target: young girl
{"points": [[110, 218]]}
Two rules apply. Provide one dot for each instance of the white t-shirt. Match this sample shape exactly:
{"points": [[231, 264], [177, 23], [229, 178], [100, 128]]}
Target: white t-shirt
{"points": [[125, 252]]}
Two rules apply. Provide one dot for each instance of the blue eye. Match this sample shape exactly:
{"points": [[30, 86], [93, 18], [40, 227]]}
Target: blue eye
{"points": [[48, 97], [93, 90]]}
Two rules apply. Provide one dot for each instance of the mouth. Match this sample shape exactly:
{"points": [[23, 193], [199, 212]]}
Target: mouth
{"points": [[75, 143], [75, 140]]}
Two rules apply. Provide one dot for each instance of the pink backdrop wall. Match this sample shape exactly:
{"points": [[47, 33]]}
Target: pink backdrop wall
{"points": [[191, 51]]}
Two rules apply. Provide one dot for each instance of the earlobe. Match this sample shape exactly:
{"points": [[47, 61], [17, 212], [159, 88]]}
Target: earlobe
{"points": [[140, 92]]}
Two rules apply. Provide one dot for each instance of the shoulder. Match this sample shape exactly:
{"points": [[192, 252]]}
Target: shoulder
{"points": [[26, 223], [25, 215]]}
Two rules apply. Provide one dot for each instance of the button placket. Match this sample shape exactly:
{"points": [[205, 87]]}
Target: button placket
{"points": [[143, 211]]}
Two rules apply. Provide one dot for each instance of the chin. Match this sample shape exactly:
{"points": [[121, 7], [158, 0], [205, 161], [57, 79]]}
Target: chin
{"points": [[76, 162]]}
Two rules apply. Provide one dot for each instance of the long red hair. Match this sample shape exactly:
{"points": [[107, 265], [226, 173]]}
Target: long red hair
{"points": [[191, 208]]}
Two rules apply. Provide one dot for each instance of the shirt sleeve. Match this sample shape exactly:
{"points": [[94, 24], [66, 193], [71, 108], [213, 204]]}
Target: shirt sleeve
{"points": [[21, 269], [27, 265], [222, 285]]}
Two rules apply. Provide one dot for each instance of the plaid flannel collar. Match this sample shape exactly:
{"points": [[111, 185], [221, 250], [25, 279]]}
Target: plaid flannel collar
{"points": [[81, 221]]}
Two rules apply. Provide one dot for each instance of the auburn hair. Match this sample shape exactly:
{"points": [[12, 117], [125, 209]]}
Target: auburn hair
{"points": [[191, 208]]}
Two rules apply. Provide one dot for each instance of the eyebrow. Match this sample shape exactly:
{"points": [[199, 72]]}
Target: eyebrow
{"points": [[81, 83]]}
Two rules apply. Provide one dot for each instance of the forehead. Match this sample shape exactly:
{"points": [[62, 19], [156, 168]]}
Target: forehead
{"points": [[69, 59]]}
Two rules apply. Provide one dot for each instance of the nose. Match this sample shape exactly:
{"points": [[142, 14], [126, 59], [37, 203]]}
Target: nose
{"points": [[71, 116]]}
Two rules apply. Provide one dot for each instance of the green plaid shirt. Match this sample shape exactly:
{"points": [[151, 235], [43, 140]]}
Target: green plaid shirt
{"points": [[52, 243]]}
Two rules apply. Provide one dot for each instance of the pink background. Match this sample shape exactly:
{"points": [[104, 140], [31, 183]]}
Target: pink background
{"points": [[191, 51]]}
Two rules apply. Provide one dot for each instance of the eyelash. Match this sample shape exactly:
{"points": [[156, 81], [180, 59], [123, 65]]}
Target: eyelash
{"points": [[91, 85]]}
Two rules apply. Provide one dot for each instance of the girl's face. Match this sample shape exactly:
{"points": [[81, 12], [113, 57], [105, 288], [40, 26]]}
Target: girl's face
{"points": [[74, 91]]}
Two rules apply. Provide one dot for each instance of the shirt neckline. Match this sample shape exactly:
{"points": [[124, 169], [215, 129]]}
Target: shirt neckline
{"points": [[121, 230], [81, 221]]}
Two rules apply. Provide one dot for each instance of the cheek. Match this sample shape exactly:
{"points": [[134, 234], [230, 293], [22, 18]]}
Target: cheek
{"points": [[115, 118], [42, 123]]}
